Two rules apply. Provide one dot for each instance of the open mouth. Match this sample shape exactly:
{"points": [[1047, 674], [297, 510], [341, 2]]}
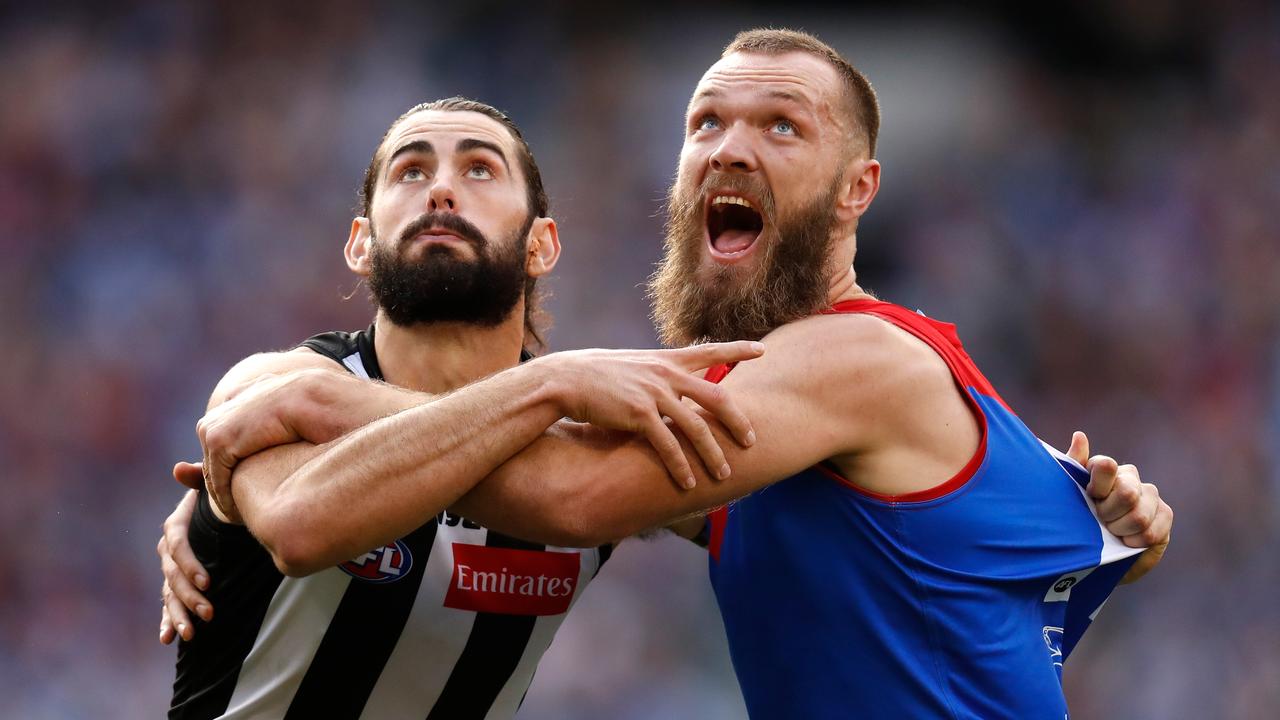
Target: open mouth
{"points": [[733, 225]]}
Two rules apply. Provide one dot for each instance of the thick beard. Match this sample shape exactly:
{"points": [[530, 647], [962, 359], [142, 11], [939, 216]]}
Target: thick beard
{"points": [[722, 303], [440, 287]]}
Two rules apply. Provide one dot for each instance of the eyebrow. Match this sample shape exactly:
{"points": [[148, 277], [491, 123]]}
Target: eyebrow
{"points": [[779, 94], [466, 144], [786, 95], [421, 147]]}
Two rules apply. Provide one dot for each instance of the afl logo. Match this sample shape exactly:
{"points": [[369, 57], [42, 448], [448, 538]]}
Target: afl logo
{"points": [[1064, 584], [384, 565]]}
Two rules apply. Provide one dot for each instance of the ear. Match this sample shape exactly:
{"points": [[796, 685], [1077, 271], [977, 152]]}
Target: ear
{"points": [[543, 247], [861, 183], [359, 246]]}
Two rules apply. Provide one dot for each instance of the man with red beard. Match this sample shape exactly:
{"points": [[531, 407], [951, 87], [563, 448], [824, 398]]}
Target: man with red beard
{"points": [[919, 553]]}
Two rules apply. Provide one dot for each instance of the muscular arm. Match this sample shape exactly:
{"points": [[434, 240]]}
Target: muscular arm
{"points": [[307, 521], [312, 506], [579, 485], [818, 393]]}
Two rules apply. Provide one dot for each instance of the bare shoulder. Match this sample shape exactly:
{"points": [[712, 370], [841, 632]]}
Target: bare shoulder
{"points": [[858, 348], [268, 363], [855, 376]]}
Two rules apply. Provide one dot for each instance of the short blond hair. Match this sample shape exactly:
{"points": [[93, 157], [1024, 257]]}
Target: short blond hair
{"points": [[863, 108]]}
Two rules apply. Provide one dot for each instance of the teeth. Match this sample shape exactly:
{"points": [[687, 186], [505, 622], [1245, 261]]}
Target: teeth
{"points": [[732, 200]]}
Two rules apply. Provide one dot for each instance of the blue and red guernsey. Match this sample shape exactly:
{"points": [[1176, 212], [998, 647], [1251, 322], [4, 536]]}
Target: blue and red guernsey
{"points": [[957, 602]]}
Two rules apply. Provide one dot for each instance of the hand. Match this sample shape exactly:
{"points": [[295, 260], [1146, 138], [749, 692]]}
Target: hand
{"points": [[183, 574], [1131, 509], [310, 405], [642, 391], [189, 475]]}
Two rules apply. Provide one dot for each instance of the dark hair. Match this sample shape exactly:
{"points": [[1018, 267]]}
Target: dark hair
{"points": [[863, 106], [539, 204]]}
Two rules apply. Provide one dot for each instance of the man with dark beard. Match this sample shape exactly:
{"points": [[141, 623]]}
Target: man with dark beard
{"points": [[918, 552], [443, 618]]}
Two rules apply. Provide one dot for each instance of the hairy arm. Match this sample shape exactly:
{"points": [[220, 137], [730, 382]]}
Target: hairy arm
{"points": [[312, 506], [309, 519], [810, 396]]}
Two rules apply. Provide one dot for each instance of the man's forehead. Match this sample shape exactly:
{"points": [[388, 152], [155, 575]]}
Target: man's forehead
{"points": [[803, 76], [446, 125]]}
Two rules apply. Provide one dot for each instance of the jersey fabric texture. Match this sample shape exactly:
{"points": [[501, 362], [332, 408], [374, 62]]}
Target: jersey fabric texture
{"points": [[448, 622], [958, 602]]}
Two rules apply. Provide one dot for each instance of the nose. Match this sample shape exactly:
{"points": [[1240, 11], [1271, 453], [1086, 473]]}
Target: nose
{"points": [[734, 154], [441, 198]]}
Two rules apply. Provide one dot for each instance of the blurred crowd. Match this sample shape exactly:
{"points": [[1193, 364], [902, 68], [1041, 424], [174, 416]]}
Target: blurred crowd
{"points": [[1095, 201]]}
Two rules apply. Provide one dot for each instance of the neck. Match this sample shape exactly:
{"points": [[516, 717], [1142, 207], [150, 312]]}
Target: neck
{"points": [[844, 286], [440, 357], [844, 279]]}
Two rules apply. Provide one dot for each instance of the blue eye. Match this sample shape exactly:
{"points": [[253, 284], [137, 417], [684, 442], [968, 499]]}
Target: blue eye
{"points": [[412, 174], [484, 172], [709, 122], [784, 127]]}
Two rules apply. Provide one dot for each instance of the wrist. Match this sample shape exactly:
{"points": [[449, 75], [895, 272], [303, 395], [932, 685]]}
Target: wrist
{"points": [[549, 386]]}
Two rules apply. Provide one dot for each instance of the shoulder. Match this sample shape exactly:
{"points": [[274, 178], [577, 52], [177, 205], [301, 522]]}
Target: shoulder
{"points": [[848, 348], [269, 363], [861, 378], [259, 364]]}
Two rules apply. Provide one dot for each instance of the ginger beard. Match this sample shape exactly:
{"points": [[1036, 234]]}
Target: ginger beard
{"points": [[440, 285], [697, 301]]}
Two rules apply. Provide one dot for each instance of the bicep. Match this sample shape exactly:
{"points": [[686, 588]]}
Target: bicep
{"points": [[614, 486], [261, 365]]}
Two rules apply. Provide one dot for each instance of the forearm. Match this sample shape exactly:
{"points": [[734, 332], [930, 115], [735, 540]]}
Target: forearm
{"points": [[316, 506], [575, 487], [578, 489]]}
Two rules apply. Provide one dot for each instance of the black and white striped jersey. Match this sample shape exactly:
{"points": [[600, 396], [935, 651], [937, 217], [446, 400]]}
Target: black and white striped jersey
{"points": [[448, 622]]}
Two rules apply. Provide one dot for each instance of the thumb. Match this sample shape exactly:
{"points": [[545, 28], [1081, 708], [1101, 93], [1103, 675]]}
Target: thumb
{"points": [[1079, 450], [189, 475]]}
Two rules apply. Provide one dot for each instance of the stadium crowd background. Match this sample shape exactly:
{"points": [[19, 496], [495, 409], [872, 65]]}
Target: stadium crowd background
{"points": [[1094, 198]]}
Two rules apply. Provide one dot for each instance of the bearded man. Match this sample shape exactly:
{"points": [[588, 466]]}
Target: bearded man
{"points": [[443, 618], [919, 553]]}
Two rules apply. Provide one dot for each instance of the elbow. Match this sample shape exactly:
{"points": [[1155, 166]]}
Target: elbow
{"points": [[295, 559], [581, 520], [296, 549], [576, 533]]}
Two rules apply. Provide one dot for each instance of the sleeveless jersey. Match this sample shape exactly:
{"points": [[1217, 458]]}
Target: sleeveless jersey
{"points": [[448, 622], [957, 602]]}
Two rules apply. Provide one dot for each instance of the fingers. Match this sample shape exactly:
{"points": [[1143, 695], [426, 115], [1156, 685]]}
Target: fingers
{"points": [[1139, 527], [181, 569], [180, 592], [216, 469], [1160, 533], [177, 615], [1161, 529], [188, 475], [183, 572], [1079, 450], [668, 448], [695, 427], [167, 633], [1140, 517], [696, 357], [719, 403], [1102, 482], [183, 590]]}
